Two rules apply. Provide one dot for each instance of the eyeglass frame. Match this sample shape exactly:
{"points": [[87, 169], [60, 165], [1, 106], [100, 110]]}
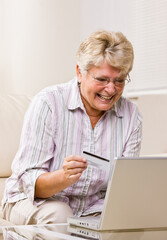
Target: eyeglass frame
{"points": [[108, 80]]}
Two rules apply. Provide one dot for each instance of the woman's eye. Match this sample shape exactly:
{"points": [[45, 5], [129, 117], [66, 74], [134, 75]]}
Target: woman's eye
{"points": [[101, 79], [120, 81]]}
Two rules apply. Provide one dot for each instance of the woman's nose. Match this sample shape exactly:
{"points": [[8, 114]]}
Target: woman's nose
{"points": [[110, 87]]}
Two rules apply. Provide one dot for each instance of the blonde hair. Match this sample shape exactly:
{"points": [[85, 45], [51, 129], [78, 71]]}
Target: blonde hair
{"points": [[100, 45]]}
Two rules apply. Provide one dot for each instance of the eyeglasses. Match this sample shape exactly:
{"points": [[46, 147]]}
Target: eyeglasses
{"points": [[104, 81]]}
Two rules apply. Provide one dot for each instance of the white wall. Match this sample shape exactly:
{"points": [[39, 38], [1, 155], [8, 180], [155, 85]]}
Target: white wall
{"points": [[1, 47], [40, 38], [149, 29], [113, 15]]}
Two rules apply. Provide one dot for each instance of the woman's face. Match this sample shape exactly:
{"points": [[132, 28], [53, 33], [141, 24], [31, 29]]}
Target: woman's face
{"points": [[96, 97]]}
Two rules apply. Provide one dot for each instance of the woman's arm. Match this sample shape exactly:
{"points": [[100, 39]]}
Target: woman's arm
{"points": [[50, 183]]}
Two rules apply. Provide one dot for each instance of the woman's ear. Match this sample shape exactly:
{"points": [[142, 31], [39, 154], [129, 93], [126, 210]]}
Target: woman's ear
{"points": [[78, 72]]}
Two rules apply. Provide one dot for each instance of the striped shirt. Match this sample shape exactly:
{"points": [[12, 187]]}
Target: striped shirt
{"points": [[56, 125]]}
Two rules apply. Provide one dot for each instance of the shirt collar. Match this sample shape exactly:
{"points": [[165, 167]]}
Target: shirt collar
{"points": [[74, 100], [118, 107]]}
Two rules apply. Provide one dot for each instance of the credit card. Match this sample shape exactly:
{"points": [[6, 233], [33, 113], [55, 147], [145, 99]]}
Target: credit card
{"points": [[96, 161]]}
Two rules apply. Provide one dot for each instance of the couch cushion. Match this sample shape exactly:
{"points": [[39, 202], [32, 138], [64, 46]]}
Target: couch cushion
{"points": [[12, 110], [2, 186], [4, 222], [152, 108]]}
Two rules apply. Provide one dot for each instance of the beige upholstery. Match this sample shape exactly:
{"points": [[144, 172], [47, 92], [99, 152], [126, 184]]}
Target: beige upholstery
{"points": [[154, 111], [12, 110], [13, 107]]}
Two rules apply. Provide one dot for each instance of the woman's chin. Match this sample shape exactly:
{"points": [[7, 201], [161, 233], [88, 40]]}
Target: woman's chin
{"points": [[104, 107]]}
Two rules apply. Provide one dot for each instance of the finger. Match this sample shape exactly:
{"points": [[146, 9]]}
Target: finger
{"points": [[75, 164], [70, 171], [74, 178], [74, 171], [75, 158]]}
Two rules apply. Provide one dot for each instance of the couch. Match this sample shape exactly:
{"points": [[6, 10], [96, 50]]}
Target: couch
{"points": [[154, 112], [12, 110]]}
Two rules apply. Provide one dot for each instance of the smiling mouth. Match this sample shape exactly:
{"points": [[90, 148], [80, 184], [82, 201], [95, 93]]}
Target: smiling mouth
{"points": [[104, 97]]}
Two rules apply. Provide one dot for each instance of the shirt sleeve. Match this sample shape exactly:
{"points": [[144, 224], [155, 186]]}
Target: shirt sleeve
{"points": [[36, 149], [133, 144]]}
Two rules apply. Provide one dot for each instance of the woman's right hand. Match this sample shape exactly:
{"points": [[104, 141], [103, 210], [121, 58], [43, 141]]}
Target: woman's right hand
{"points": [[73, 167]]}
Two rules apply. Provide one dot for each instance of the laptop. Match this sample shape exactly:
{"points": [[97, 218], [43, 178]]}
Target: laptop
{"points": [[136, 196], [86, 233]]}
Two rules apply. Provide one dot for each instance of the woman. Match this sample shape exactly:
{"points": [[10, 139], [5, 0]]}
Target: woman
{"points": [[51, 179]]}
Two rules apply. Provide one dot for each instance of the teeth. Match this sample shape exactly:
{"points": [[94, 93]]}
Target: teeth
{"points": [[106, 98]]}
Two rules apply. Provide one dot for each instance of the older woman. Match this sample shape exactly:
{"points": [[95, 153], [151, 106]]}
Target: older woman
{"points": [[51, 179]]}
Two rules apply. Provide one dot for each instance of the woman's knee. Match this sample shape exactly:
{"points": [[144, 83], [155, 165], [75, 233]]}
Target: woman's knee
{"points": [[14, 213], [54, 212], [48, 212], [64, 211]]}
